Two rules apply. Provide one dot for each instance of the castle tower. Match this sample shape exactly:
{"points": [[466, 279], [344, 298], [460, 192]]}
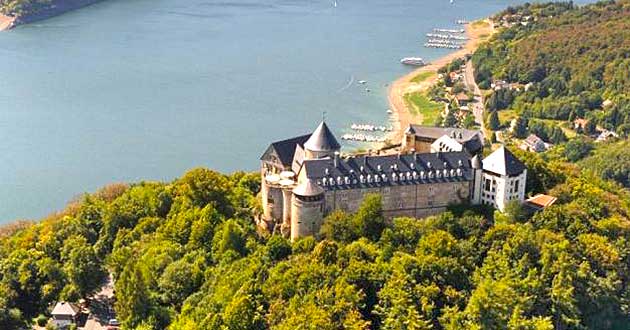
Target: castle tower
{"points": [[504, 179], [321, 144], [409, 139], [477, 167], [307, 211]]}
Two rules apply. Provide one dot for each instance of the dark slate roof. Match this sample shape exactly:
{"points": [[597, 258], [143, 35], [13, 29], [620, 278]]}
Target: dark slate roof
{"points": [[352, 168], [322, 139], [431, 132], [285, 149], [308, 188], [502, 161], [473, 146]]}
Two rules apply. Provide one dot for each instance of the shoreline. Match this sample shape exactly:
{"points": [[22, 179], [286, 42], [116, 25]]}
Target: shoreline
{"points": [[6, 22], [56, 8], [401, 115]]}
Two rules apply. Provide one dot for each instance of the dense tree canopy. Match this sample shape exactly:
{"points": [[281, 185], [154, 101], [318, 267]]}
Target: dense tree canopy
{"points": [[186, 255], [563, 62]]}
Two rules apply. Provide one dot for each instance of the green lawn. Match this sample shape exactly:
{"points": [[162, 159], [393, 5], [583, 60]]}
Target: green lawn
{"points": [[479, 23], [422, 76], [422, 105], [506, 116], [563, 124]]}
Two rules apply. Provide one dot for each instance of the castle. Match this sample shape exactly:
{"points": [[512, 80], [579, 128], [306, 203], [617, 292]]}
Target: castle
{"points": [[305, 178]]}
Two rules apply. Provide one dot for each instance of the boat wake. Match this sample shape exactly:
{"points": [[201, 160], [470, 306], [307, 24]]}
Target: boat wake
{"points": [[350, 82]]}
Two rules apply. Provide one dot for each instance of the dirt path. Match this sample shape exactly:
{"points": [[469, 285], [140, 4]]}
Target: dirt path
{"points": [[476, 32]]}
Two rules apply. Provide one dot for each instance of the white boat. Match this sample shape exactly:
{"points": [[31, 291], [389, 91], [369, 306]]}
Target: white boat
{"points": [[417, 61], [389, 111], [362, 82]]}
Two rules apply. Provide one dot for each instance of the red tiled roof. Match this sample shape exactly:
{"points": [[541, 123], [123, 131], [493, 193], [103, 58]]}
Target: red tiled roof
{"points": [[542, 201]]}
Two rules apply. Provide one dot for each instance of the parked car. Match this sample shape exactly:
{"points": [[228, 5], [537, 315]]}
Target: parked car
{"points": [[113, 324]]}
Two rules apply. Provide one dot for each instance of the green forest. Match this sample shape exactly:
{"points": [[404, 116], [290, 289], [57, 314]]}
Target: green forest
{"points": [[575, 61], [187, 255], [21, 8]]}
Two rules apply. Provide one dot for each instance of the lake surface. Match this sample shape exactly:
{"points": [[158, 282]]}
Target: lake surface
{"points": [[146, 89]]}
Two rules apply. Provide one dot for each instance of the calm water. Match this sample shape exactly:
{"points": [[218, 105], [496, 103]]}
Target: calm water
{"points": [[146, 89]]}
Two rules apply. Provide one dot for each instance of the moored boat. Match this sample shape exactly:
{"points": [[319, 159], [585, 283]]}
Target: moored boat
{"points": [[417, 61]]}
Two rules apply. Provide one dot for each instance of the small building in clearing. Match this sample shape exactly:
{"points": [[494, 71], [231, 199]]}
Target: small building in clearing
{"points": [[534, 144], [64, 314], [540, 202]]}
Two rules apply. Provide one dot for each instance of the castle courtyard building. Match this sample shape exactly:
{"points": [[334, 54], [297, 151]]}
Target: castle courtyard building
{"points": [[305, 178]]}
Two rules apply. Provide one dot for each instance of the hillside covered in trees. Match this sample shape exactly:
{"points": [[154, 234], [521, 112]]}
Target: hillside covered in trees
{"points": [[186, 255], [562, 62], [27, 11]]}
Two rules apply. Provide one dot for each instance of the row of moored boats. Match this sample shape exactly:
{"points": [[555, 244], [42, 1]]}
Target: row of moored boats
{"points": [[440, 38]]}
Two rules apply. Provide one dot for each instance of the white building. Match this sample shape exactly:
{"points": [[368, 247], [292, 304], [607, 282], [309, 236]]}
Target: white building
{"points": [[446, 144], [64, 314], [503, 179]]}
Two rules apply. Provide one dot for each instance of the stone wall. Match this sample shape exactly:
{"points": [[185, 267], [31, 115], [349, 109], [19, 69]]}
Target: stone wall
{"points": [[403, 200]]}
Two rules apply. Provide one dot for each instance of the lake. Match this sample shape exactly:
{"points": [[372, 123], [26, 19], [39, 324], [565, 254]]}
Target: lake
{"points": [[147, 89]]}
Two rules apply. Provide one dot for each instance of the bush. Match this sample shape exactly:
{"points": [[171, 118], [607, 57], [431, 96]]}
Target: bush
{"points": [[41, 320]]}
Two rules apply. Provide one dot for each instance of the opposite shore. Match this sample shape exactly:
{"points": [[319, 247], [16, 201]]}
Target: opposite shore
{"points": [[6, 22], [54, 8], [477, 32]]}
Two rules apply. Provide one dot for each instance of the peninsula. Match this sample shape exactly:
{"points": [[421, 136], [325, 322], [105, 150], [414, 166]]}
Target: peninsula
{"points": [[17, 12]]}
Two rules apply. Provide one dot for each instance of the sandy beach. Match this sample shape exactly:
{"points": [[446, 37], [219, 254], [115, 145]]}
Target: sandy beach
{"points": [[476, 32], [6, 22]]}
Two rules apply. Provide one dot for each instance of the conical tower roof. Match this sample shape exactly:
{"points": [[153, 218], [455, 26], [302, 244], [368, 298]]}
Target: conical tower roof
{"points": [[322, 139], [308, 188], [503, 162]]}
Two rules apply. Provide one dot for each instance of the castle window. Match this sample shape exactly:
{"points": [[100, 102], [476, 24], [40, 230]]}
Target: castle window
{"points": [[516, 186]]}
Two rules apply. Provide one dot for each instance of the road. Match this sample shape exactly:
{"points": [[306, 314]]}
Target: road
{"points": [[101, 307], [469, 81]]}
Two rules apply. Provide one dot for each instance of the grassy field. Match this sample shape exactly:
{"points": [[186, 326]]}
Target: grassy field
{"points": [[506, 116], [563, 124], [422, 105], [479, 23], [422, 77]]}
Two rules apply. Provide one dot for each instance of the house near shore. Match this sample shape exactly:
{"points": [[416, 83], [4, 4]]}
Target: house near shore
{"points": [[306, 178], [420, 138], [64, 314]]}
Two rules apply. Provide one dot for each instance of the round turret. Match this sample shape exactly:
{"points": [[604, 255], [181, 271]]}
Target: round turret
{"points": [[307, 211]]}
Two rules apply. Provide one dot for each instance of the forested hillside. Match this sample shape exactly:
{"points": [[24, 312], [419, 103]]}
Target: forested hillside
{"points": [[27, 11], [564, 62], [23, 7], [186, 255]]}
